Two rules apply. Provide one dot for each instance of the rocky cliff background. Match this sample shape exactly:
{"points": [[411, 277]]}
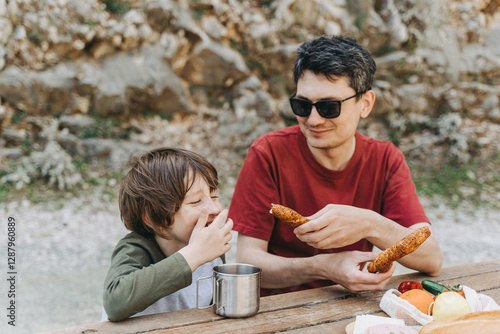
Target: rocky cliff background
{"points": [[83, 84]]}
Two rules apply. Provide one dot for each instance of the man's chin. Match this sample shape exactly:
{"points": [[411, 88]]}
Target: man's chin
{"points": [[319, 144]]}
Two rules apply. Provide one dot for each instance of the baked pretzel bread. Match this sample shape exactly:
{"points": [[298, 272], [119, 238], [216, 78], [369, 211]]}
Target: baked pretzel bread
{"points": [[287, 215], [405, 246]]}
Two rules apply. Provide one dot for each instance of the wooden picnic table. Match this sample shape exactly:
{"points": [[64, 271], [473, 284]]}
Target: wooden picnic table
{"points": [[322, 310]]}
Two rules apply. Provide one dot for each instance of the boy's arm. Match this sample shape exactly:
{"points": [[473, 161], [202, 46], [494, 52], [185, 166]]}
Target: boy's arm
{"points": [[133, 283]]}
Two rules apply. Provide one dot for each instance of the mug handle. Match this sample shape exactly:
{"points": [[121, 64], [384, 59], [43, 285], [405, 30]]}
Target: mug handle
{"points": [[197, 289], [219, 291]]}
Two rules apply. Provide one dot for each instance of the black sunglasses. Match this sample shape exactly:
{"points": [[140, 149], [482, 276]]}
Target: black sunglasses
{"points": [[325, 108]]}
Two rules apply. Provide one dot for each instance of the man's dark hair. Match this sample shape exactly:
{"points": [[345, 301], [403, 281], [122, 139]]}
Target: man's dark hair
{"points": [[336, 56]]}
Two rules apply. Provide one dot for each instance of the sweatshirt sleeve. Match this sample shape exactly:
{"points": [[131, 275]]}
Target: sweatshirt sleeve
{"points": [[135, 282]]}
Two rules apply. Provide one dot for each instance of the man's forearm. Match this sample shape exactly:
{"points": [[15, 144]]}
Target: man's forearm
{"points": [[427, 258], [281, 272]]}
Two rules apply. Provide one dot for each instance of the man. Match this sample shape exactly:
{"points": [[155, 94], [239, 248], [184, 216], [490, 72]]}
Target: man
{"points": [[356, 191]]}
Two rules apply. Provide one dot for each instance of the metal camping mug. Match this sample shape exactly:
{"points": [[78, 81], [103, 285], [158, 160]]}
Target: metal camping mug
{"points": [[236, 290]]}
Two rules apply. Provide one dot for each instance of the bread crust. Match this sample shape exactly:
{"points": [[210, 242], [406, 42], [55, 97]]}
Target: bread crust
{"points": [[484, 322], [405, 246], [287, 215]]}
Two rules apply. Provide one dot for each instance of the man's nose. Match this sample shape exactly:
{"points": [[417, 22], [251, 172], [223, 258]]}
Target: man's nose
{"points": [[315, 118]]}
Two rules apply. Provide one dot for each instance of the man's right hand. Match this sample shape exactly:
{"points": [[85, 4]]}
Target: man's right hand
{"points": [[344, 269]]}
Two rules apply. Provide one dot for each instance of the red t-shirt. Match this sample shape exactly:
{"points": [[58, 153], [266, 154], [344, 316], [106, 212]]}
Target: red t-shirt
{"points": [[280, 169]]}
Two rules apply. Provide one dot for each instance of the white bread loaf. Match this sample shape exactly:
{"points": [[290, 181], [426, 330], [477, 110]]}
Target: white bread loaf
{"points": [[484, 322]]}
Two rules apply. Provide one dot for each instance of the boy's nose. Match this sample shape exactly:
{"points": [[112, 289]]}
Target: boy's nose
{"points": [[213, 207]]}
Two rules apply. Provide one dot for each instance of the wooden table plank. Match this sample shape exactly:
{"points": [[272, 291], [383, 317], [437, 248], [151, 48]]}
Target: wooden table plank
{"points": [[453, 274], [482, 278], [329, 307], [330, 328], [286, 319]]}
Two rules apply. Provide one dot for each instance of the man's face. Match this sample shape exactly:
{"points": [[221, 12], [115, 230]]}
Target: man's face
{"points": [[324, 133]]}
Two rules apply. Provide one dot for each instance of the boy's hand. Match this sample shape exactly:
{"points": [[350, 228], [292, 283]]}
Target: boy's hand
{"points": [[208, 242]]}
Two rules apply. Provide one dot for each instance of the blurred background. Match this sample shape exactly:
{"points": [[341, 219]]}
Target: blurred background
{"points": [[83, 84]]}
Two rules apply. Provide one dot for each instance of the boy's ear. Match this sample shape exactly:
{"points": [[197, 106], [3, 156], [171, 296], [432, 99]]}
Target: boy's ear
{"points": [[146, 220]]}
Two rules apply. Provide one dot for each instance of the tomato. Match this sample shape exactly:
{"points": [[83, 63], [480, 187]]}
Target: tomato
{"points": [[409, 285], [460, 292]]}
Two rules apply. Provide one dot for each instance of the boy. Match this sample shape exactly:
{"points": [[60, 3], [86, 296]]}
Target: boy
{"points": [[169, 201]]}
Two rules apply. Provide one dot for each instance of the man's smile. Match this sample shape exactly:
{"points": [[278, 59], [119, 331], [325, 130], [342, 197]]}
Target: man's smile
{"points": [[317, 131]]}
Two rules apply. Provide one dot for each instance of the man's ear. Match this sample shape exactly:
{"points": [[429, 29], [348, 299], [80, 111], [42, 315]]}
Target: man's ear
{"points": [[368, 101]]}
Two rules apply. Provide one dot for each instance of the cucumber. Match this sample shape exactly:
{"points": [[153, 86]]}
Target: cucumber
{"points": [[434, 287]]}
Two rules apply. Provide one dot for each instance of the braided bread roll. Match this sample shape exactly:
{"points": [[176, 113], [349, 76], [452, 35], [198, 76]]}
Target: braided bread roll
{"points": [[405, 246], [287, 215]]}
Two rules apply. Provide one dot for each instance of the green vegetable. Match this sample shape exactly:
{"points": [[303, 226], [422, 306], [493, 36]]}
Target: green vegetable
{"points": [[434, 287]]}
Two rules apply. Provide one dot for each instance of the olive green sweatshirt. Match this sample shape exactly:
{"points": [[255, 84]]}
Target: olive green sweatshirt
{"points": [[140, 274]]}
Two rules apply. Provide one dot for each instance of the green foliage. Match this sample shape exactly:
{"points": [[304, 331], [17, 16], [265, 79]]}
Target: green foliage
{"points": [[38, 190], [256, 64], [80, 164], [411, 44], [360, 21], [57, 114], [26, 147], [290, 121], [277, 85], [105, 127], [35, 38], [301, 37], [496, 171], [90, 23], [116, 7], [454, 182], [238, 47], [265, 3], [198, 13], [384, 49], [443, 181], [4, 192], [148, 113], [393, 136], [18, 116]]}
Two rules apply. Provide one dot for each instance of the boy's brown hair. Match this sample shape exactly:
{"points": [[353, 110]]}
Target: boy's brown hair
{"points": [[156, 186]]}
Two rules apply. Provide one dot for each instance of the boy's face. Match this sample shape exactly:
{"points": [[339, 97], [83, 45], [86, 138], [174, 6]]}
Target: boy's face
{"points": [[197, 198]]}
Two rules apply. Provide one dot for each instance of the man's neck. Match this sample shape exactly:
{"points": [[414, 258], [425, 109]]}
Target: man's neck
{"points": [[335, 158]]}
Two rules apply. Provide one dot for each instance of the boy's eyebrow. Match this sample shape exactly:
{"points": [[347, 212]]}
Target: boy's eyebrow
{"points": [[193, 193]]}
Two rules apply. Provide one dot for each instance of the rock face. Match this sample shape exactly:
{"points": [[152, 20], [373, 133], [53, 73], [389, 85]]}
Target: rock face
{"points": [[212, 75]]}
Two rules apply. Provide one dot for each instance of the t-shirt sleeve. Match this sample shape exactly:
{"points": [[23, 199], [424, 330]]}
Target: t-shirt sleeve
{"points": [[253, 195], [400, 200], [133, 283]]}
